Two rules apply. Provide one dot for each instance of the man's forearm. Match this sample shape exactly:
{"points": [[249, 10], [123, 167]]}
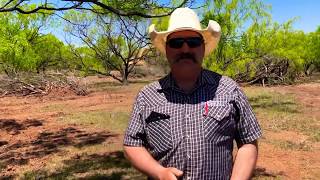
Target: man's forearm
{"points": [[143, 161], [245, 161]]}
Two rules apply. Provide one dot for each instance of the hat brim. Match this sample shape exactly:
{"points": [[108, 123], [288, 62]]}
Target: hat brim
{"points": [[211, 36]]}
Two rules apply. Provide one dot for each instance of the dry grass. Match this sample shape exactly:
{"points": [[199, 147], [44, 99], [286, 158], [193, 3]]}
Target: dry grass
{"points": [[100, 161], [110, 121], [55, 107], [278, 111], [103, 161]]}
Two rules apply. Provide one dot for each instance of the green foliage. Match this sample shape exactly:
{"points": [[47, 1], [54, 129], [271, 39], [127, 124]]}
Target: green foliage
{"points": [[23, 47], [252, 47], [15, 53], [116, 43], [311, 52], [232, 15], [161, 23], [49, 48], [88, 61]]}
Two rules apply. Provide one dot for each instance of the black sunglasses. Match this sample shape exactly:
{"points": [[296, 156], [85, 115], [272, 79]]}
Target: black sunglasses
{"points": [[192, 42]]}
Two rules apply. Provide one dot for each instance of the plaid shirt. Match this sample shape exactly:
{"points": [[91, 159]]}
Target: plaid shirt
{"points": [[193, 132]]}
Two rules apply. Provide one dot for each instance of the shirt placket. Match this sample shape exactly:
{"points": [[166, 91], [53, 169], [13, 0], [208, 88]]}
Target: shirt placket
{"points": [[188, 135], [192, 138]]}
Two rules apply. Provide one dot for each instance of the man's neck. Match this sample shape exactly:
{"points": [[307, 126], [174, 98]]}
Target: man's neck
{"points": [[186, 82]]}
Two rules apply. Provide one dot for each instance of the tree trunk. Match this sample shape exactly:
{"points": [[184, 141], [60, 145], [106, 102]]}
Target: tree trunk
{"points": [[125, 81], [125, 75]]}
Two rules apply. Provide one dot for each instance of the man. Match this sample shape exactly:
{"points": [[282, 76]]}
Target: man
{"points": [[183, 126]]}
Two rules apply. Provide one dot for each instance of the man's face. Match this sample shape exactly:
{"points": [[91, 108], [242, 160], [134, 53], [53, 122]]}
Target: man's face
{"points": [[188, 56]]}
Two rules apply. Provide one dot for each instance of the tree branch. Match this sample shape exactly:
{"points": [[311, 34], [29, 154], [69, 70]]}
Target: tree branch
{"points": [[79, 4]]}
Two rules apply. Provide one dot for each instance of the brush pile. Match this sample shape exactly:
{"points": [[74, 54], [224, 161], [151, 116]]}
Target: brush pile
{"points": [[40, 85]]}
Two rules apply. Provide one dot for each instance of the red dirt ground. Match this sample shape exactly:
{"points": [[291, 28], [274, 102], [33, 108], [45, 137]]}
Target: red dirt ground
{"points": [[25, 130], [290, 164]]}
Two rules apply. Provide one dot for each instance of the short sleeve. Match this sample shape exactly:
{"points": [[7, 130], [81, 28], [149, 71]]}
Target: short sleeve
{"points": [[248, 129], [135, 134]]}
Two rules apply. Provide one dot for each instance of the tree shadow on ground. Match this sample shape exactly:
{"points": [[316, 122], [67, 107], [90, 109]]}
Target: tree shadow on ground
{"points": [[45, 143], [109, 166], [112, 166], [2, 143], [12, 127], [262, 173], [267, 102]]}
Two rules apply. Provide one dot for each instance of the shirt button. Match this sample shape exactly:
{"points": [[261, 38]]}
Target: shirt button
{"points": [[188, 156]]}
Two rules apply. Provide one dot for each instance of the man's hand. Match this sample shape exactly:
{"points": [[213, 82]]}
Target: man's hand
{"points": [[141, 159], [170, 174]]}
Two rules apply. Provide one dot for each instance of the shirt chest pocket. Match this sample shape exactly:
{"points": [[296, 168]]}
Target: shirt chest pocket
{"points": [[218, 124], [158, 128]]}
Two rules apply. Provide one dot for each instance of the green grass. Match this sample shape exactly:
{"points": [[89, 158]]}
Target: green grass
{"points": [[55, 107], [268, 177], [278, 121], [99, 161], [275, 111], [300, 146], [85, 165], [116, 86], [105, 86], [264, 100], [111, 121], [289, 145], [263, 174], [316, 135], [90, 161], [2, 166]]}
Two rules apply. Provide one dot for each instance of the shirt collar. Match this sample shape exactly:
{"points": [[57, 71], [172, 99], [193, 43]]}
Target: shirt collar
{"points": [[206, 77]]}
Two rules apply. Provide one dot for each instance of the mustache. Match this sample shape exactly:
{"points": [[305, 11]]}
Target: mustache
{"points": [[186, 56]]}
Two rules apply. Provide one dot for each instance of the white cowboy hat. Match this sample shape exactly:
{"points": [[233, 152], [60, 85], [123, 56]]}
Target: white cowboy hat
{"points": [[186, 19]]}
